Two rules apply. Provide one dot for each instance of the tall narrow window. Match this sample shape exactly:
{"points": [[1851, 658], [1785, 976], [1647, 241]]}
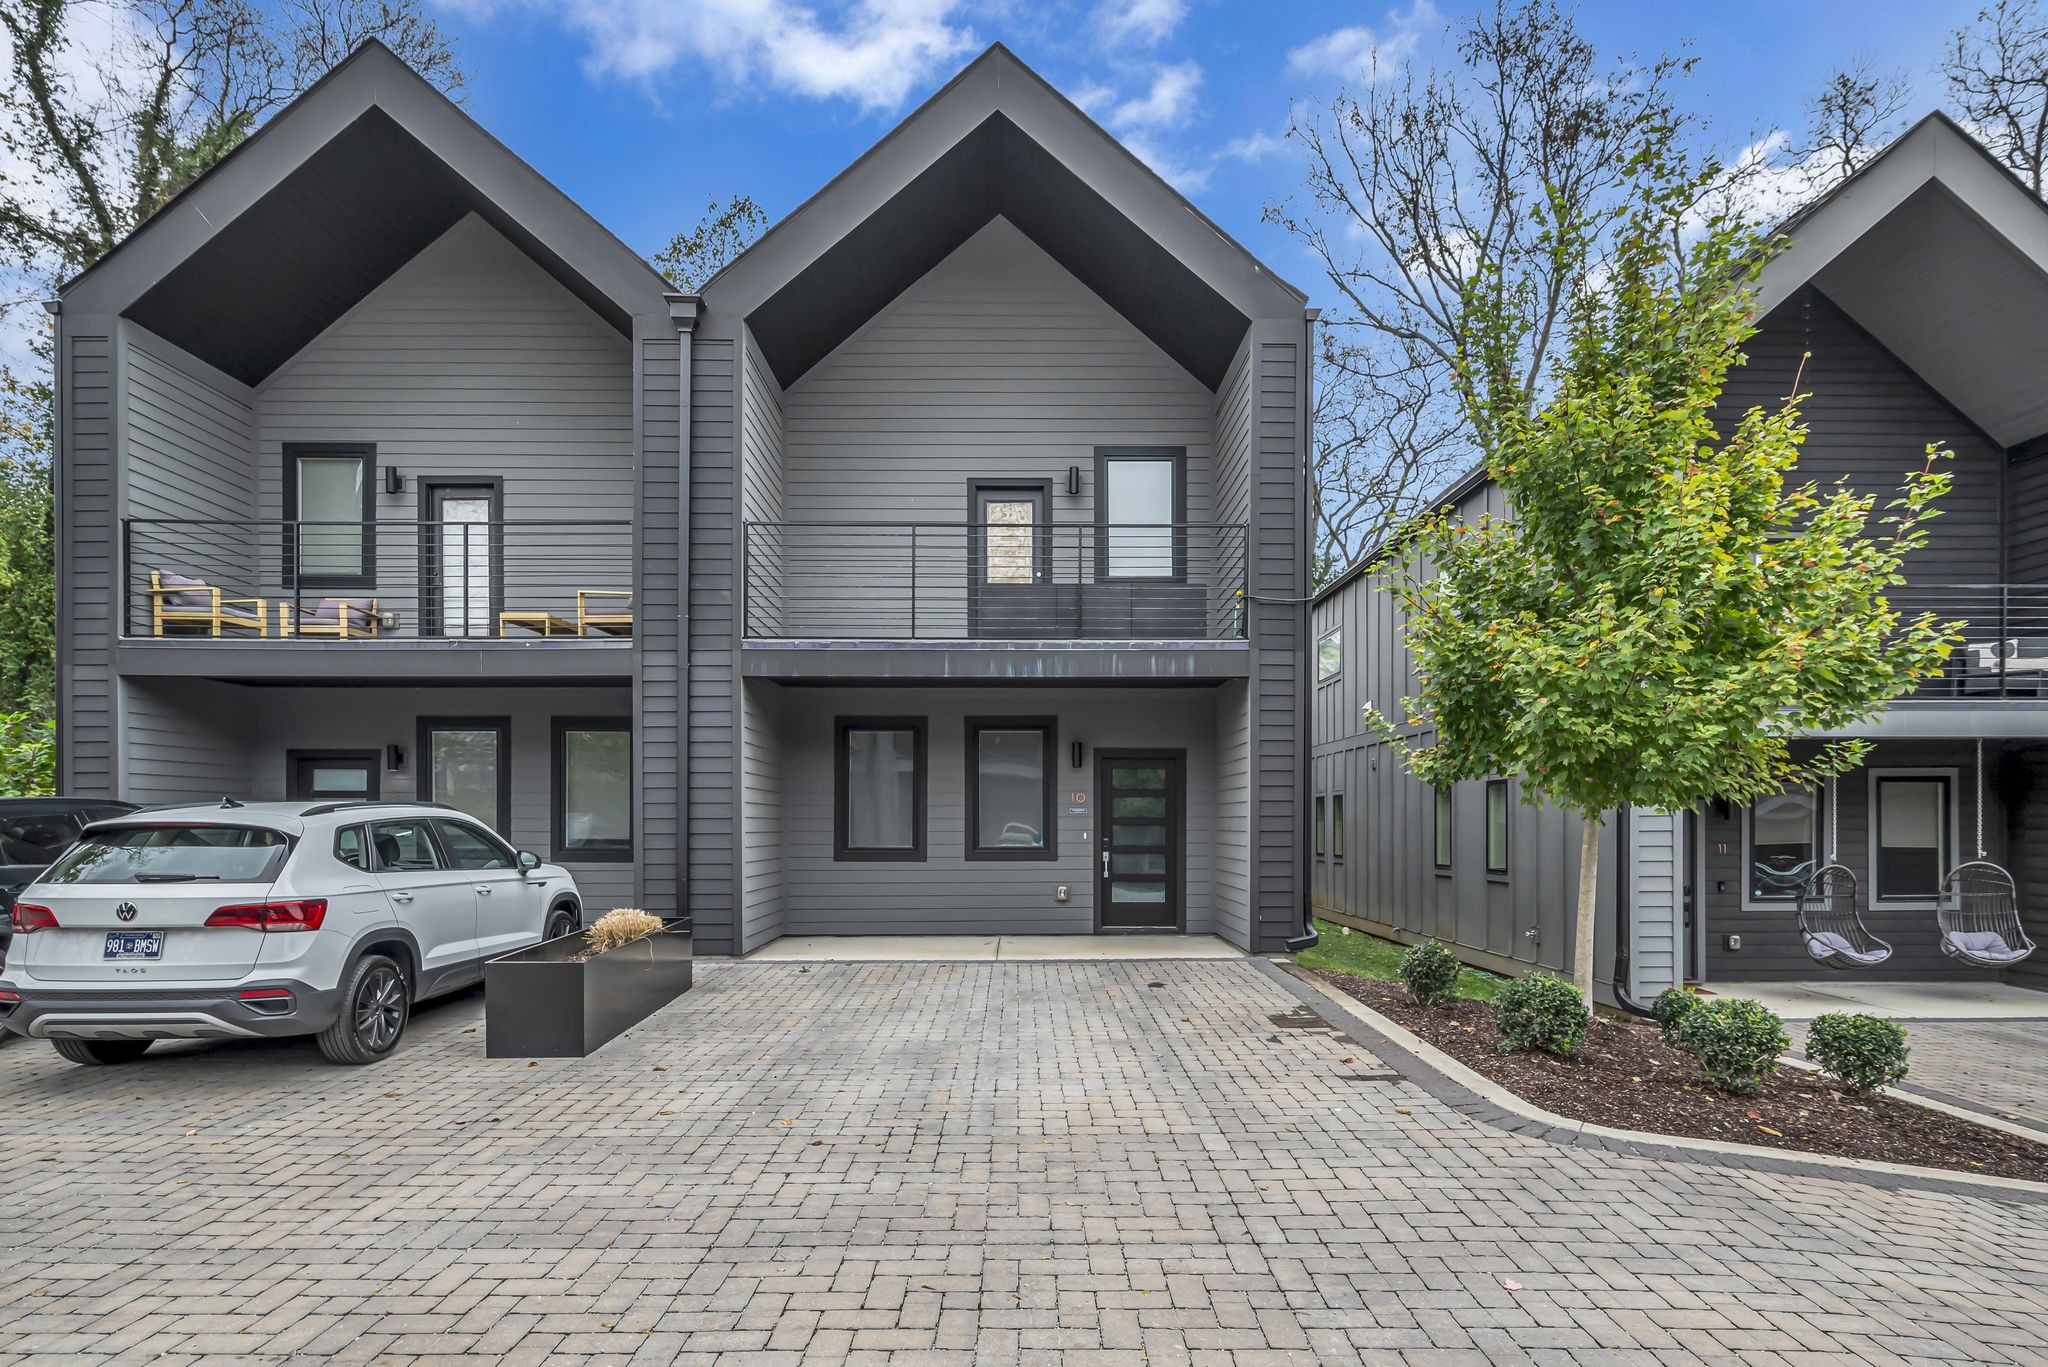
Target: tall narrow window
{"points": [[1330, 656], [466, 762], [1496, 825], [1443, 827], [1137, 508], [1337, 827], [1321, 814], [1010, 767], [331, 507], [1910, 839], [879, 789], [1781, 844], [593, 789]]}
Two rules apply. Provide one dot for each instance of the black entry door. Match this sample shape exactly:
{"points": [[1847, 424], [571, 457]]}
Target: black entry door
{"points": [[333, 775], [462, 538], [1009, 593], [1142, 801]]}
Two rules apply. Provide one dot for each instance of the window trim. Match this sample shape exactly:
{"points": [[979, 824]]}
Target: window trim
{"points": [[364, 451], [1950, 777], [374, 759], [1337, 827], [1178, 456], [1443, 821], [1338, 673], [1746, 819], [1500, 870], [842, 853], [558, 801], [423, 760], [1049, 731]]}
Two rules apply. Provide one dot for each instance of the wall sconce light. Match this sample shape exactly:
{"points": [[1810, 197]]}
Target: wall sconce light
{"points": [[1077, 754], [394, 482], [1074, 480], [394, 757]]}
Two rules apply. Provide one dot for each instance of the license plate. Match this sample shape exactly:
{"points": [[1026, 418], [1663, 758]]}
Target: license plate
{"points": [[134, 944]]}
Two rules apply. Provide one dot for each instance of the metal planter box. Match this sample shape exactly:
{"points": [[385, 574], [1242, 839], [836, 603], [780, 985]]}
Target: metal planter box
{"points": [[540, 1003]]}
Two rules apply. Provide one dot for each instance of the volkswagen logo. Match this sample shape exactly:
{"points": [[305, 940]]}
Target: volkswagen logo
{"points": [[127, 911]]}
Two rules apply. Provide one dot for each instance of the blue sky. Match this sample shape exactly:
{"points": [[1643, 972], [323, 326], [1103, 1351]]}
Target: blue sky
{"points": [[644, 109]]}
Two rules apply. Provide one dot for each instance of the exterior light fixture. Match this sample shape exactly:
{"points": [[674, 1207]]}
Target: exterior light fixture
{"points": [[1074, 480]]}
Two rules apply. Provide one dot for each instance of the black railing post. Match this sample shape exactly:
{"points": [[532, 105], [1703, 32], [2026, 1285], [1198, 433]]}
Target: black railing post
{"points": [[913, 581], [127, 575], [746, 580], [2004, 626]]}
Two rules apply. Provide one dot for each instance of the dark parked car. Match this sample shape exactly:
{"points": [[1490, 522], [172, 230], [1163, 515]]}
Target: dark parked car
{"points": [[33, 832]]}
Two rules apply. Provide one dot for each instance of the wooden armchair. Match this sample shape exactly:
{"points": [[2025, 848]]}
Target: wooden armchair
{"points": [[610, 614], [347, 619], [176, 601]]}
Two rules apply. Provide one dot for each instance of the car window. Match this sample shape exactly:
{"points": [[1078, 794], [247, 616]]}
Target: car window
{"points": [[173, 854], [36, 839], [470, 848], [352, 848], [405, 847]]}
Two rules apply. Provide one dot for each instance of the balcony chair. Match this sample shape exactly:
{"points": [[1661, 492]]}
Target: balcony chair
{"points": [[347, 619], [611, 617], [2021, 661], [178, 601]]}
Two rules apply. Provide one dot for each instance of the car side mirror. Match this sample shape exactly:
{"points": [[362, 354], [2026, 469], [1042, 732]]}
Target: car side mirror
{"points": [[528, 861]]}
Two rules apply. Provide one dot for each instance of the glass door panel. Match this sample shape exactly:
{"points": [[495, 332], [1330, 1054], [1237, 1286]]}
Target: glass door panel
{"points": [[1139, 874]]}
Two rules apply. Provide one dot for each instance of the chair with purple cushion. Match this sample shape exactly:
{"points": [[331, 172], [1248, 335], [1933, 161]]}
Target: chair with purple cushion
{"points": [[607, 611], [177, 600], [347, 619]]}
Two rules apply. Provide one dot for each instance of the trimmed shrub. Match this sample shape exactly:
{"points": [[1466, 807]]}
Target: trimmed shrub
{"points": [[1431, 973], [1862, 1053], [1542, 1013], [1735, 1041], [1671, 1008]]}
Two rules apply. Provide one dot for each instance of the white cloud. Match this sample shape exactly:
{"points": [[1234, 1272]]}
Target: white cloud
{"points": [[1166, 105], [1183, 175], [873, 53], [1254, 147], [1144, 22], [1355, 50]]}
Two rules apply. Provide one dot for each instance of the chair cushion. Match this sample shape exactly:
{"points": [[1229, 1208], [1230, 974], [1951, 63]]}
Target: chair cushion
{"points": [[329, 612], [1825, 944], [1987, 944], [606, 606], [194, 593]]}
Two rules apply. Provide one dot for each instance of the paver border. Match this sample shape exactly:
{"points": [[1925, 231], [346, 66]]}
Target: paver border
{"points": [[1471, 1094]]}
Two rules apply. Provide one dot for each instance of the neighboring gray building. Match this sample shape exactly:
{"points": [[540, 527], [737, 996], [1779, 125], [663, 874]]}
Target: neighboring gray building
{"points": [[1916, 295], [939, 568]]}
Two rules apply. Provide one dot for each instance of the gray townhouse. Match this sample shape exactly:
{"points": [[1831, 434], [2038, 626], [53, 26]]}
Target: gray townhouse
{"points": [[940, 567], [1916, 295]]}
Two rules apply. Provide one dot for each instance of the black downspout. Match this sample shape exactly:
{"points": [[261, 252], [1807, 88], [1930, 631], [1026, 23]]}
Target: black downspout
{"points": [[1306, 730], [1621, 925]]}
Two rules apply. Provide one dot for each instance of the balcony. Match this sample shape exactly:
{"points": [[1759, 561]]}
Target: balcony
{"points": [[993, 582], [2004, 654], [253, 589]]}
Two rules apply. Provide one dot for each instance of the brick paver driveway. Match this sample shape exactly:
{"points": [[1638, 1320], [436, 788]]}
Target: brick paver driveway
{"points": [[1999, 1066], [1093, 1163]]}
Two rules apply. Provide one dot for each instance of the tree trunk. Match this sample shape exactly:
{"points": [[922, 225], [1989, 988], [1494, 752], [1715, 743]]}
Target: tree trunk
{"points": [[1589, 887]]}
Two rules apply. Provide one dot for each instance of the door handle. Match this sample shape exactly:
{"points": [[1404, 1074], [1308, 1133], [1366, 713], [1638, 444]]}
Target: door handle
{"points": [[405, 897], [1105, 863], [483, 889]]}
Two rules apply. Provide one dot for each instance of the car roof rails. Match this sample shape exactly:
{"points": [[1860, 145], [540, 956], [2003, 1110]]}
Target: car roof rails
{"points": [[329, 808]]}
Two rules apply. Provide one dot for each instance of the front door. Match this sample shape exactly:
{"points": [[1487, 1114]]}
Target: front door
{"points": [[460, 560], [1009, 563], [333, 775], [1142, 802]]}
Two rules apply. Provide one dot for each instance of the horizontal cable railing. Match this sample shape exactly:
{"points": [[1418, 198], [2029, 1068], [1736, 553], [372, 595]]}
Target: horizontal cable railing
{"points": [[281, 580], [993, 581], [2004, 652]]}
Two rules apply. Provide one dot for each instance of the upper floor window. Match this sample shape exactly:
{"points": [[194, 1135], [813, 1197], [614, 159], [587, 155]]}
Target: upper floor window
{"points": [[1139, 500], [1330, 655], [331, 503]]}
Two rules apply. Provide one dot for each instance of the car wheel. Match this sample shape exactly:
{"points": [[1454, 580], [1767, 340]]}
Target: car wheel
{"points": [[374, 1006], [101, 1050], [562, 921]]}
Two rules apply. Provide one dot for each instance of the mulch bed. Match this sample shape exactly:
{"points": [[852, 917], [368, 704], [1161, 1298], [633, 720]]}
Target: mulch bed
{"points": [[1626, 1077]]}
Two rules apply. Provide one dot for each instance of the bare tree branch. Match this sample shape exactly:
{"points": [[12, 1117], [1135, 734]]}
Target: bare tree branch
{"points": [[1997, 73]]}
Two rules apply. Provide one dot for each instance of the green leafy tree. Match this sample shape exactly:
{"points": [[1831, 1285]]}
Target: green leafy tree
{"points": [[28, 595], [692, 258], [28, 755], [1662, 611]]}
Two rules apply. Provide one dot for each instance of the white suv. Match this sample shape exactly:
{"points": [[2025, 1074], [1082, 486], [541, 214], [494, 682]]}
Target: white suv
{"points": [[268, 919]]}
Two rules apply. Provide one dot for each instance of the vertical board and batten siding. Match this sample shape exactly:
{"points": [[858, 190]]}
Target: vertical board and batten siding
{"points": [[946, 893], [711, 669], [1278, 570], [760, 815], [657, 629], [1869, 419], [88, 541], [2026, 821], [472, 362], [199, 740]]}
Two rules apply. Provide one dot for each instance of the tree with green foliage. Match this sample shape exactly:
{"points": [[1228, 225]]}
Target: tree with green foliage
{"points": [[28, 591], [1662, 611], [692, 258]]}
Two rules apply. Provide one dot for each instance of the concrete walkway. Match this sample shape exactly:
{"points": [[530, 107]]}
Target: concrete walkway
{"points": [[990, 948], [1087, 1163], [1965, 999]]}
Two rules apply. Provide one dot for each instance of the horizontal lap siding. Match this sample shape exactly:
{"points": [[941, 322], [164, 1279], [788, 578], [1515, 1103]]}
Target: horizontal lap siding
{"points": [[760, 813], [657, 625], [1280, 744], [711, 761], [88, 534], [947, 893], [1234, 409]]}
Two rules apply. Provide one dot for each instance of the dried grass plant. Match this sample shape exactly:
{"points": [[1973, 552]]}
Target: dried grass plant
{"points": [[621, 926]]}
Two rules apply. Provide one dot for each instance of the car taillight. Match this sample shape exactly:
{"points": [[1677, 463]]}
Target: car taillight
{"points": [[29, 918], [10, 998], [272, 916]]}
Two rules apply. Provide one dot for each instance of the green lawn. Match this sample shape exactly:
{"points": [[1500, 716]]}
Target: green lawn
{"points": [[1368, 956]]}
